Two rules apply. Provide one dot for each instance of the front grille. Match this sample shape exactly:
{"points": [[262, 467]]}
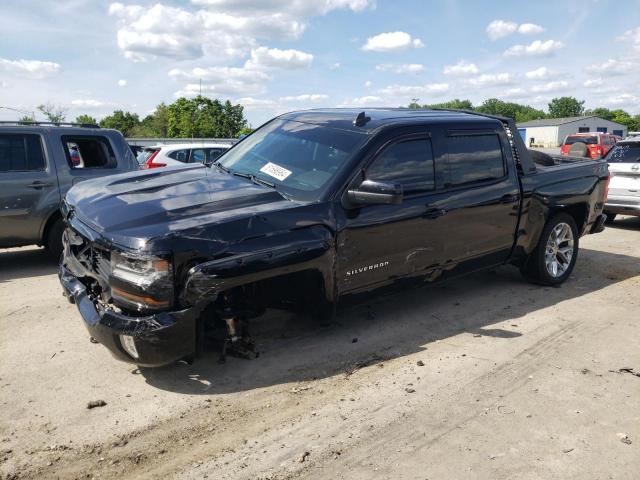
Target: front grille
{"points": [[94, 259]]}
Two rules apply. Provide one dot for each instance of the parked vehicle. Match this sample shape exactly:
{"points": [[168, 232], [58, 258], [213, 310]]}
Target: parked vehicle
{"points": [[624, 189], [181, 153], [592, 145], [39, 162], [309, 208]]}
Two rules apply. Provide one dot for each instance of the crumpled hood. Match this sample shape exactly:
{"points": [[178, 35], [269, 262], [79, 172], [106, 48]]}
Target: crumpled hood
{"points": [[151, 203]]}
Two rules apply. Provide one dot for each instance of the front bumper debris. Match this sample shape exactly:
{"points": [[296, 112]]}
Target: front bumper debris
{"points": [[159, 339]]}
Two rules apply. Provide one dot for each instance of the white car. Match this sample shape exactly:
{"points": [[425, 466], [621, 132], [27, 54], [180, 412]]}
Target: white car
{"points": [[180, 153], [624, 185]]}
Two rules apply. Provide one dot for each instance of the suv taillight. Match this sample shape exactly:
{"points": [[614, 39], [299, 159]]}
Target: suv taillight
{"points": [[150, 164]]}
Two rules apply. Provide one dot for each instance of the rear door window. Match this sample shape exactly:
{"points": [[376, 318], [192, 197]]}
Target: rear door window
{"points": [[21, 152], [409, 163], [624, 153], [588, 139], [180, 155], [198, 155], [473, 158], [89, 152]]}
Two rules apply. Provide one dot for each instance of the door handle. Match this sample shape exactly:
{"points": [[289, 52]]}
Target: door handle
{"points": [[433, 213], [509, 198], [37, 185]]}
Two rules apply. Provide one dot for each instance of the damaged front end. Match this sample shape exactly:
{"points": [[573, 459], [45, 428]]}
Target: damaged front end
{"points": [[125, 301]]}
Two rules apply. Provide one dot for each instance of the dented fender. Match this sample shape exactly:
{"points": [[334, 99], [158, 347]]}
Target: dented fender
{"points": [[304, 249]]}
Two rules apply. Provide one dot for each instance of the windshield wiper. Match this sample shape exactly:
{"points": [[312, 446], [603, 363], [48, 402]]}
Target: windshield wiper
{"points": [[221, 167], [254, 179]]}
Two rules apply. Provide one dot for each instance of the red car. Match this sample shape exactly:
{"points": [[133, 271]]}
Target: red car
{"points": [[592, 144]]}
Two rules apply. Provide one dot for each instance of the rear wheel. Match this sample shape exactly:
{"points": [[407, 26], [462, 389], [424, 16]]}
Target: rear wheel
{"points": [[610, 218], [54, 239], [553, 259]]}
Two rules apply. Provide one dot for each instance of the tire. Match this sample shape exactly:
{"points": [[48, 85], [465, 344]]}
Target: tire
{"points": [[559, 238], [578, 149], [54, 240], [610, 218]]}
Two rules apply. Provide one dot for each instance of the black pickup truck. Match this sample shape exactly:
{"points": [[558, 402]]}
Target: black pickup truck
{"points": [[313, 206]]}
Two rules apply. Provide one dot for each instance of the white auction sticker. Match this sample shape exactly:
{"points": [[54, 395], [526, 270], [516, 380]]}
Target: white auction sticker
{"points": [[275, 171]]}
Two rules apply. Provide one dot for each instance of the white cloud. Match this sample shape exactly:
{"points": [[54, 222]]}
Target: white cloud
{"points": [[308, 97], [461, 69], [542, 73], [368, 83], [122, 83], [491, 79], [221, 81], [223, 29], [296, 7], [143, 32], [395, 91], [626, 101], [499, 28], [87, 103], [530, 29], [391, 42], [557, 86], [274, 58], [537, 48], [632, 36], [29, 68], [257, 102], [366, 101], [593, 83], [613, 67], [334, 66], [401, 68]]}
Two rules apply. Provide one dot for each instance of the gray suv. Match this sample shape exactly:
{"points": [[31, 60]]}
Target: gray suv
{"points": [[38, 163]]}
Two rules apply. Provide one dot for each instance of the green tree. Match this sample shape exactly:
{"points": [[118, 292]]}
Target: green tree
{"points": [[566, 107], [600, 112], [203, 117], [27, 119], [455, 104], [153, 125], [53, 113], [520, 113], [120, 120], [86, 119]]}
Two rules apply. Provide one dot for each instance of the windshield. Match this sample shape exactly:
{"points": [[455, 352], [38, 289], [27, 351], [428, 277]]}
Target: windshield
{"points": [[298, 158], [624, 153], [571, 139]]}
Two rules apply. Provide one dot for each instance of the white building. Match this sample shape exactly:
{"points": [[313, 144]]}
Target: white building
{"points": [[551, 132]]}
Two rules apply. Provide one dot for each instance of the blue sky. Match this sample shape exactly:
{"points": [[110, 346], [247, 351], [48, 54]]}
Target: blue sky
{"points": [[276, 55]]}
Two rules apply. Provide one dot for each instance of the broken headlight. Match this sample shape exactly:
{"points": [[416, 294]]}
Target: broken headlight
{"points": [[141, 282]]}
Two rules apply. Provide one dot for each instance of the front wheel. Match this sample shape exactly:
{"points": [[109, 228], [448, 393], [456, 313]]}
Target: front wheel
{"points": [[610, 218], [555, 255], [54, 240]]}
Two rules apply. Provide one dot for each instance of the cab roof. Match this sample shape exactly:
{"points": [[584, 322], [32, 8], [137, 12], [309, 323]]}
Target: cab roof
{"points": [[370, 119]]}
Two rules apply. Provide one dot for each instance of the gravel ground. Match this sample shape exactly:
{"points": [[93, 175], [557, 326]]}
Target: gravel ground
{"points": [[483, 377]]}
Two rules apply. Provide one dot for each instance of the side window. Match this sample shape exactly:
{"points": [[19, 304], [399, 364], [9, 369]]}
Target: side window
{"points": [[198, 155], [409, 163], [474, 158], [89, 152], [21, 153], [179, 155], [214, 153]]}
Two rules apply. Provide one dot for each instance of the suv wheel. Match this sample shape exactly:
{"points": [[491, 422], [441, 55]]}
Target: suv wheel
{"points": [[553, 259], [610, 218], [54, 239]]}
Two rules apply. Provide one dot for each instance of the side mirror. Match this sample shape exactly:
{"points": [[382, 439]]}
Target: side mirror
{"points": [[370, 192]]}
